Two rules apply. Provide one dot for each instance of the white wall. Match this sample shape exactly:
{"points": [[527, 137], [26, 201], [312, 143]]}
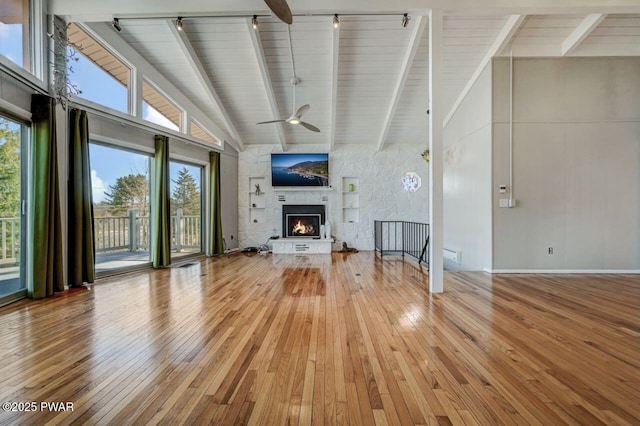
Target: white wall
{"points": [[229, 196], [381, 194], [576, 164], [467, 179]]}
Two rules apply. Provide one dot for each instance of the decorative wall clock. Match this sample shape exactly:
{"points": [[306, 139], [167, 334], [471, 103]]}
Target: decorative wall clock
{"points": [[411, 181]]}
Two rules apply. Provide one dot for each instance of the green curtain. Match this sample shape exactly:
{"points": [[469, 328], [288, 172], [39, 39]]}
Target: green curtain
{"points": [[82, 258], [46, 264], [160, 207], [216, 246]]}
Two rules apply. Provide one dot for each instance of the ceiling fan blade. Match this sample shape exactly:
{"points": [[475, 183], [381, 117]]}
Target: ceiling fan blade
{"points": [[272, 121], [302, 110], [281, 9], [310, 126]]}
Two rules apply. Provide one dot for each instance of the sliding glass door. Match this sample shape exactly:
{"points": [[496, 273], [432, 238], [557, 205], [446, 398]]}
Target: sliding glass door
{"points": [[121, 206], [186, 209], [13, 209]]}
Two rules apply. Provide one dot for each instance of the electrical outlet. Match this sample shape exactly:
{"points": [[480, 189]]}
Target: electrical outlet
{"points": [[504, 202], [550, 250]]}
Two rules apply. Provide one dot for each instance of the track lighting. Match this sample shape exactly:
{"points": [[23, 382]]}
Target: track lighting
{"points": [[254, 22], [179, 24], [336, 21], [116, 24], [405, 20]]}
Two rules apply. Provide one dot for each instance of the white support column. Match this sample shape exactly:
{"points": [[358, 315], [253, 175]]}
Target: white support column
{"points": [[436, 120]]}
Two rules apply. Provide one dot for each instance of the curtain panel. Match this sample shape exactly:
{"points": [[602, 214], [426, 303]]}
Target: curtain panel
{"points": [[161, 208], [81, 262], [46, 263], [216, 245]]}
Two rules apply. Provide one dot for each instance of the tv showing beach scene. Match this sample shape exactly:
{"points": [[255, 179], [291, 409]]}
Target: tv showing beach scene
{"points": [[300, 169]]}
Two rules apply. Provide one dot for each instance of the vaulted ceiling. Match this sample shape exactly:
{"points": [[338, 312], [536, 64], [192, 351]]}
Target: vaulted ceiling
{"points": [[367, 80]]}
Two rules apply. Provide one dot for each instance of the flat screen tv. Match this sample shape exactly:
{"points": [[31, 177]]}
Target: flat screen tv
{"points": [[300, 169]]}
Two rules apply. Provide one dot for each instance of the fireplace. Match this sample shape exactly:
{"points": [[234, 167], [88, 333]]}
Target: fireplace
{"points": [[302, 221], [303, 225]]}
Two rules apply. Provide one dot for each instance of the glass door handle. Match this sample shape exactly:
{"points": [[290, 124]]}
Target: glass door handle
{"points": [[24, 207]]}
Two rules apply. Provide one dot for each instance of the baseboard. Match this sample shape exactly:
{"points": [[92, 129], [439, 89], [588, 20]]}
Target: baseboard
{"points": [[562, 271]]}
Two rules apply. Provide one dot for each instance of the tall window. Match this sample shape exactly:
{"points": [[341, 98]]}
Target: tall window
{"points": [[96, 73], [12, 214], [186, 208], [15, 37], [158, 109], [121, 198]]}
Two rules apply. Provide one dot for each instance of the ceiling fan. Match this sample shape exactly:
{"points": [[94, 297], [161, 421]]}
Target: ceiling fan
{"points": [[280, 8], [296, 116]]}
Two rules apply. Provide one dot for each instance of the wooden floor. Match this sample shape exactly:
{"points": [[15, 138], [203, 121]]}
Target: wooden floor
{"points": [[346, 339]]}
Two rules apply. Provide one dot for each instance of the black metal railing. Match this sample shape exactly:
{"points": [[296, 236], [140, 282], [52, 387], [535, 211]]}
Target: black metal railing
{"points": [[400, 237]]}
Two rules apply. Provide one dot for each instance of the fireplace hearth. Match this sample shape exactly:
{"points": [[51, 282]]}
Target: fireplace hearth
{"points": [[302, 221]]}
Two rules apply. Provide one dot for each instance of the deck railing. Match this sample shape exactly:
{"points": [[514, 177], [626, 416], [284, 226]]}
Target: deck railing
{"points": [[399, 237], [9, 241], [132, 232], [115, 233]]}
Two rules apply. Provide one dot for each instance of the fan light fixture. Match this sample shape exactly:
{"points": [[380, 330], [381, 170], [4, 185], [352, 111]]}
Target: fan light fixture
{"points": [[179, 24], [254, 22], [116, 24], [405, 20], [336, 21]]}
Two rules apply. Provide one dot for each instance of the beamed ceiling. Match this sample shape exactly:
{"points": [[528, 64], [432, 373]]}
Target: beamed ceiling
{"points": [[367, 81]]}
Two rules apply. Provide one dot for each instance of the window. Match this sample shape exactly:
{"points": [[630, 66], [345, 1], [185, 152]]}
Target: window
{"points": [[160, 110], [186, 208], [199, 132], [13, 137], [121, 203], [15, 37], [98, 75]]}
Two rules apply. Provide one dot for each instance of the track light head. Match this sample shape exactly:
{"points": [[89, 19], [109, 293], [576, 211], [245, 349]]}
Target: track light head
{"points": [[115, 23], [405, 20], [336, 21], [179, 23], [254, 22]]}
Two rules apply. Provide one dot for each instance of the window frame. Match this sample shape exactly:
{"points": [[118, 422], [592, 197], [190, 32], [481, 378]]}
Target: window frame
{"points": [[182, 126], [132, 71]]}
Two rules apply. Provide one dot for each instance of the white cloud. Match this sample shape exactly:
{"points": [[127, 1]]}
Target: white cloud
{"points": [[98, 187], [151, 114]]}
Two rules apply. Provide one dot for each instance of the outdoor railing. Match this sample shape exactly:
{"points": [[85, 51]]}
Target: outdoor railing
{"points": [[116, 233], [9, 241], [132, 232], [399, 237]]}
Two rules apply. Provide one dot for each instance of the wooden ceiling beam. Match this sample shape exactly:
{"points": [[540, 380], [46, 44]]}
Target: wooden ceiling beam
{"points": [[418, 26], [192, 57], [503, 39], [258, 50], [581, 32], [335, 55]]}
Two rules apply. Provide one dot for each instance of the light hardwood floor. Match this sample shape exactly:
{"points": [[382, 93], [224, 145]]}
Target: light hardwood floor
{"points": [[341, 339]]}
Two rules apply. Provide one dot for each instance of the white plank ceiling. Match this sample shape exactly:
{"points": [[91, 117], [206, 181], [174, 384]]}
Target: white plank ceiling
{"points": [[367, 81]]}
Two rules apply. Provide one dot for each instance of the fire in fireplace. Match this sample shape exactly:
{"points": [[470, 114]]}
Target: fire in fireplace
{"points": [[302, 221], [303, 225]]}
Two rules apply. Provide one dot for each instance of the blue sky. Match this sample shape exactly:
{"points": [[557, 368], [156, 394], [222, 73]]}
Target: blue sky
{"points": [[11, 42], [107, 164]]}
